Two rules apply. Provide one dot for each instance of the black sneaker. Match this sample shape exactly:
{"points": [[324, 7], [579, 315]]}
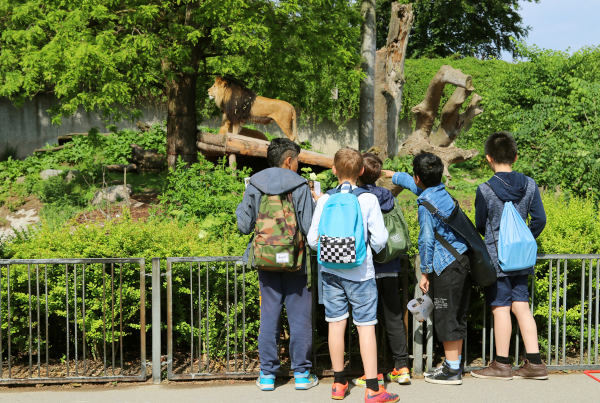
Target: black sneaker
{"points": [[446, 376]]}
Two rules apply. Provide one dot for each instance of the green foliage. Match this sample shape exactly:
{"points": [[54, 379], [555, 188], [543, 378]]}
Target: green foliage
{"points": [[463, 27], [548, 102], [204, 191]]}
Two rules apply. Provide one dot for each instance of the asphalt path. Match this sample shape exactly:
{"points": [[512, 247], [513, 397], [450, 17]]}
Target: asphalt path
{"points": [[573, 387]]}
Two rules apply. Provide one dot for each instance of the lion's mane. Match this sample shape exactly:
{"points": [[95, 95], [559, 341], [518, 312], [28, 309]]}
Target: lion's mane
{"points": [[235, 99]]}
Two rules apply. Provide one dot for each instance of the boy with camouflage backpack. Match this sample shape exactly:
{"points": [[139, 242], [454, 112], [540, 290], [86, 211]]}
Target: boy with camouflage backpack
{"points": [[278, 207]]}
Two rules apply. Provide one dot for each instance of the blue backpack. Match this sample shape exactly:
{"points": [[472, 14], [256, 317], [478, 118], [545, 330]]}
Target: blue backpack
{"points": [[342, 243], [517, 248]]}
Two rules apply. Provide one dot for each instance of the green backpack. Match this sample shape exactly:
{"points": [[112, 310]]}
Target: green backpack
{"points": [[398, 241], [278, 244]]}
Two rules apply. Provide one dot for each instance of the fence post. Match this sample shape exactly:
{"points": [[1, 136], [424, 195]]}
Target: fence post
{"points": [[156, 320]]}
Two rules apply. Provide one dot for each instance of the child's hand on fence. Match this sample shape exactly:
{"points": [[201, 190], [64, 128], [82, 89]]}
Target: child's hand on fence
{"points": [[424, 283]]}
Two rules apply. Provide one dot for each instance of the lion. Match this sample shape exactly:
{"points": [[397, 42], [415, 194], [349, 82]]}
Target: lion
{"points": [[240, 104]]}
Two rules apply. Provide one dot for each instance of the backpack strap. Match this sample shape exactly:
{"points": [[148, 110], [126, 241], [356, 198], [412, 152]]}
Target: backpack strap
{"points": [[356, 192]]}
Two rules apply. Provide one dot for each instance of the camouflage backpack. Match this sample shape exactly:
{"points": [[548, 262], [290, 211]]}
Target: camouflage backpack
{"points": [[278, 244]]}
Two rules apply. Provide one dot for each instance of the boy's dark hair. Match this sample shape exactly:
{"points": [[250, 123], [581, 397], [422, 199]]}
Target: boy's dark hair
{"points": [[280, 149], [372, 164], [502, 147], [429, 168]]}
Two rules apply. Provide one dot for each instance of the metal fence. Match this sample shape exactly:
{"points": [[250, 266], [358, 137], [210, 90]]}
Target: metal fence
{"points": [[65, 320], [571, 307], [75, 320], [209, 291]]}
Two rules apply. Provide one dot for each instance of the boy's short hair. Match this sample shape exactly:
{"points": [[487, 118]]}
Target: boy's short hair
{"points": [[348, 163], [501, 147], [280, 149], [429, 168], [372, 164]]}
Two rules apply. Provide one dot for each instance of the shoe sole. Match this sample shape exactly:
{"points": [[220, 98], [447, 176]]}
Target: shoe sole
{"points": [[539, 378], [265, 388], [398, 381], [500, 378], [312, 385], [440, 382], [338, 397]]}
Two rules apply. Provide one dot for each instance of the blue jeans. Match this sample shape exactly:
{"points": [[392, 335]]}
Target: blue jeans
{"points": [[275, 290], [338, 292]]}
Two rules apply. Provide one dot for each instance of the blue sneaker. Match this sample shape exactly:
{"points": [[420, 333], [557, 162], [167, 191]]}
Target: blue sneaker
{"points": [[305, 380], [265, 382]]}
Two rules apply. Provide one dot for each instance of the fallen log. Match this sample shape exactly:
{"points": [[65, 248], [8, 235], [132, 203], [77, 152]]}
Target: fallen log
{"points": [[241, 145]]}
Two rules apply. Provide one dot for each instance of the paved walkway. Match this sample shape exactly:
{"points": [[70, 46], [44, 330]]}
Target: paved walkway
{"points": [[575, 387]]}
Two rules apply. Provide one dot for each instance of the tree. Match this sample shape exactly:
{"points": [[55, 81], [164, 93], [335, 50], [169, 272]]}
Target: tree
{"points": [[480, 28], [111, 57], [367, 85]]}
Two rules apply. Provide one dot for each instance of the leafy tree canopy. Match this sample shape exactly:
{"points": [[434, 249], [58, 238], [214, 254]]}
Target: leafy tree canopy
{"points": [[111, 56], [479, 28]]}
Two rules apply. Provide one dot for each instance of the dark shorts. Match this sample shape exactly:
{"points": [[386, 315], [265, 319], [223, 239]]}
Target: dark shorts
{"points": [[451, 291], [507, 290]]}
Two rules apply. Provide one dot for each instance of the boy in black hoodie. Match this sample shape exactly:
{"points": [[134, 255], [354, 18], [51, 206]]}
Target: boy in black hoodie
{"points": [[510, 292], [388, 282]]}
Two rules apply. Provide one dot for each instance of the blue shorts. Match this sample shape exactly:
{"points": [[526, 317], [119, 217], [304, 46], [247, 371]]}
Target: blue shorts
{"points": [[362, 296], [507, 290]]}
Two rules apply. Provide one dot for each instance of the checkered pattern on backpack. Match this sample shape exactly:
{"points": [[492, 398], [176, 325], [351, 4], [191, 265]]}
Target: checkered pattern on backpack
{"points": [[338, 250]]}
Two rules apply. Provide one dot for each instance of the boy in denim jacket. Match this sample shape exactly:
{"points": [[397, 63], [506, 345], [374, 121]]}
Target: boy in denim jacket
{"points": [[446, 279]]}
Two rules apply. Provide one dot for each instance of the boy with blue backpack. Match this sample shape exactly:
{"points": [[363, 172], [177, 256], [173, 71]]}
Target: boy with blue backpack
{"points": [[444, 265], [388, 264], [347, 225], [502, 204], [278, 207]]}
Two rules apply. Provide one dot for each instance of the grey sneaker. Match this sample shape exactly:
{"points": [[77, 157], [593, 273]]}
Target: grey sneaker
{"points": [[495, 370], [531, 371], [446, 376]]}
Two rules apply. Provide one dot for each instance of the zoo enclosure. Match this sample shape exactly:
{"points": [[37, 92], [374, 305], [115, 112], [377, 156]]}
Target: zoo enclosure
{"points": [[68, 320]]}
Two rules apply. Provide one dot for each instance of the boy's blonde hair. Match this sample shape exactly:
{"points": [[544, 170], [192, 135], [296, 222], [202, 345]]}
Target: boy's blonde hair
{"points": [[348, 163]]}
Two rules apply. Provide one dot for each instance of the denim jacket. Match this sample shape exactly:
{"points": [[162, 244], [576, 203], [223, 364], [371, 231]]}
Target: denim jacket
{"points": [[434, 256]]}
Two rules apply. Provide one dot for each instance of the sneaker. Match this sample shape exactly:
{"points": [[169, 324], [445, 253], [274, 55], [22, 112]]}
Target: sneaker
{"points": [[446, 376], [265, 382], [402, 376], [531, 371], [339, 391], [495, 370], [432, 371], [381, 396], [305, 380], [362, 381]]}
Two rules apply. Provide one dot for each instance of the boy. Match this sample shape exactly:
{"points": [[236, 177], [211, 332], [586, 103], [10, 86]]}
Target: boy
{"points": [[443, 276], [279, 287], [388, 281], [355, 286], [510, 291]]}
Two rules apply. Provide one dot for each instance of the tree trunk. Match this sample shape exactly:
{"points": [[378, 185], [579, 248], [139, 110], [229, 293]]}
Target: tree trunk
{"points": [[389, 80], [181, 119], [367, 86]]}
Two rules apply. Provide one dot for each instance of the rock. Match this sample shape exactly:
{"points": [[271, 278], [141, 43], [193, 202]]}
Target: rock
{"points": [[49, 173], [21, 179], [112, 194], [71, 175], [148, 160]]}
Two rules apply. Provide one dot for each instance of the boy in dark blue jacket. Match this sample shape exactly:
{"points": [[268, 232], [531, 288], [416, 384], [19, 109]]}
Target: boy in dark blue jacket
{"points": [[445, 278], [510, 291], [388, 282]]}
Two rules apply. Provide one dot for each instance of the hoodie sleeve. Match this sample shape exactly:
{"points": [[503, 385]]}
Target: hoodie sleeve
{"points": [[312, 237], [304, 205], [246, 210], [537, 214], [406, 181], [481, 212]]}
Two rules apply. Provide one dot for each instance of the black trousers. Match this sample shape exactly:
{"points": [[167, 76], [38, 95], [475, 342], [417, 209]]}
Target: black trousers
{"points": [[450, 292], [390, 304]]}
